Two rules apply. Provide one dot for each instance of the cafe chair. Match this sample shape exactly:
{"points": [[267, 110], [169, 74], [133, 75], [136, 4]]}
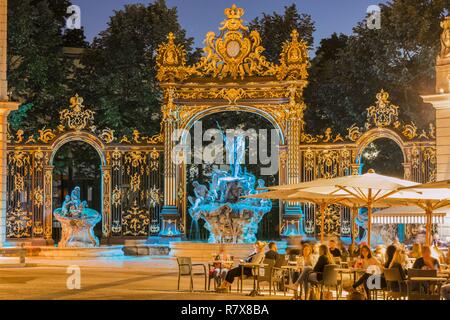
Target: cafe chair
{"points": [[329, 279], [185, 268], [266, 274], [396, 288]]}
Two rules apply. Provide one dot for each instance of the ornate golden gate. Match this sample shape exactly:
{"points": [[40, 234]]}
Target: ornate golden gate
{"points": [[233, 75], [130, 181]]}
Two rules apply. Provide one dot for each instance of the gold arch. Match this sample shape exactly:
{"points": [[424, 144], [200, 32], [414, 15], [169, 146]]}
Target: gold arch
{"points": [[188, 123], [376, 134], [82, 136]]}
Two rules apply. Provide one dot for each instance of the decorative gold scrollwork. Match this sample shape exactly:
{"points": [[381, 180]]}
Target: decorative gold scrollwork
{"points": [[77, 117], [19, 223], [235, 53], [135, 221], [383, 113]]}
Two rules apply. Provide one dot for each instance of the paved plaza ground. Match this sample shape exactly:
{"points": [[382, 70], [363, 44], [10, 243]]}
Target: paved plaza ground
{"points": [[136, 278]]}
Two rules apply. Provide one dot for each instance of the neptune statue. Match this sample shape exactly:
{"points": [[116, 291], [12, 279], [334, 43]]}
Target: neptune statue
{"points": [[228, 217], [77, 222]]}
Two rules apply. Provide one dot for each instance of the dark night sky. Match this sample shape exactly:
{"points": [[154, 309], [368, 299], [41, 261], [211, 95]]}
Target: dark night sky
{"points": [[200, 16]]}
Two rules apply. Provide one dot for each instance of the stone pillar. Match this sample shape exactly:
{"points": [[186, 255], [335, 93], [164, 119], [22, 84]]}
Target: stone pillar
{"points": [[170, 217], [441, 102], [5, 108]]}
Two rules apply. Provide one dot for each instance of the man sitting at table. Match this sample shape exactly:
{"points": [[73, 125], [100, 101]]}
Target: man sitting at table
{"points": [[255, 258], [334, 250], [273, 251], [426, 262]]}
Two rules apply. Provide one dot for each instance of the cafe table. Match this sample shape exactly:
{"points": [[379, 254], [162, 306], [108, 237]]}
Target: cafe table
{"points": [[290, 269], [350, 271], [255, 272], [434, 281], [221, 264]]}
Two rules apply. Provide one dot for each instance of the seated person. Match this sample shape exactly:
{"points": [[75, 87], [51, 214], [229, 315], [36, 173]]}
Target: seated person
{"points": [[334, 250], [426, 262], [221, 269], [416, 251], [365, 261], [316, 274], [398, 262], [255, 258], [273, 251], [344, 251], [305, 262], [445, 291]]}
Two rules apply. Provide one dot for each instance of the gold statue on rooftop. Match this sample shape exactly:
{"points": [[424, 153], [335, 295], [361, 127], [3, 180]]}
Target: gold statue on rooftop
{"points": [[445, 38], [236, 53]]}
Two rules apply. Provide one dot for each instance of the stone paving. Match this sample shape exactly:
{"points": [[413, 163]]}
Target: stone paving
{"points": [[132, 278]]}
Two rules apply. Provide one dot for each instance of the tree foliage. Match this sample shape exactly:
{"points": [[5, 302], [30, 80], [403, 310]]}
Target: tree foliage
{"points": [[347, 72], [38, 70], [276, 28], [118, 77]]}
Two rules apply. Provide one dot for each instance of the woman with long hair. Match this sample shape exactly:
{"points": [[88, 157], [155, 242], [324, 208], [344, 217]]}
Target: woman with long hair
{"points": [[305, 262], [366, 261], [416, 251], [316, 274]]}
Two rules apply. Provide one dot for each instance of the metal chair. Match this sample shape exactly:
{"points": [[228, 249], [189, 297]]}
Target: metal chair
{"points": [[279, 274], [185, 268], [396, 286], [268, 273], [329, 279]]}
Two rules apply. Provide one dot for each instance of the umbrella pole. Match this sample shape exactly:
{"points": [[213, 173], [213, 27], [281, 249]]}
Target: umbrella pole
{"points": [[428, 213], [354, 213], [322, 227], [369, 215]]}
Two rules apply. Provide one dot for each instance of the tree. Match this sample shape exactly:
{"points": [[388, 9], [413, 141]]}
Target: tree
{"points": [[118, 77], [399, 57], [275, 29], [38, 70]]}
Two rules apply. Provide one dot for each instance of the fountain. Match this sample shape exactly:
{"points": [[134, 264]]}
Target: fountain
{"points": [[228, 217], [77, 222]]}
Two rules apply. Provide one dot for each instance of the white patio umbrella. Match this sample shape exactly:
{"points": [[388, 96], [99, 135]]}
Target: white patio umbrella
{"points": [[294, 195], [320, 199], [370, 189]]}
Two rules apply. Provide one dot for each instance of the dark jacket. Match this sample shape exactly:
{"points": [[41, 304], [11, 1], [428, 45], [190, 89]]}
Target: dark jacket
{"points": [[271, 254], [420, 263], [336, 252], [320, 266]]}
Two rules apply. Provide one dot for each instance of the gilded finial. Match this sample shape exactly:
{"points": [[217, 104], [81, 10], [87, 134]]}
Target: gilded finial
{"points": [[171, 37], [445, 38], [76, 100], [234, 12], [383, 96]]}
